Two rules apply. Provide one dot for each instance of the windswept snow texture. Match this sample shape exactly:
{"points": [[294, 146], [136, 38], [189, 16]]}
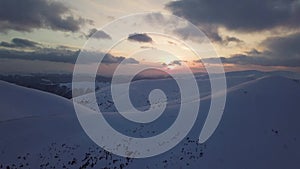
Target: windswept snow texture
{"points": [[259, 128]]}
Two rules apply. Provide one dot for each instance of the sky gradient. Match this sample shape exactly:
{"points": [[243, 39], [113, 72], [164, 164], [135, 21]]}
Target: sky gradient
{"points": [[41, 36]]}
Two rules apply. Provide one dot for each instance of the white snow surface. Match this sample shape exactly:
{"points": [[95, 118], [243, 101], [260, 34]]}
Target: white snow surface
{"points": [[259, 129]]}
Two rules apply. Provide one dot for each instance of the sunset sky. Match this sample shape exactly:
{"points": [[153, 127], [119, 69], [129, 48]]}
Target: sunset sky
{"points": [[40, 36]]}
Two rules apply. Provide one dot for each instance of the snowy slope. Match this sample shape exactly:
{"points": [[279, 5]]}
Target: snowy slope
{"points": [[140, 90], [259, 129], [40, 130]]}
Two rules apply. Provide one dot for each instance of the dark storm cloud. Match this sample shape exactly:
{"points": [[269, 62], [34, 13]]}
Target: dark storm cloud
{"points": [[280, 51], [19, 43], [176, 62], [189, 33], [211, 31], [53, 55], [229, 39], [129, 61], [64, 55], [262, 60], [26, 15], [247, 15], [140, 37], [173, 63], [97, 34], [108, 59], [284, 47]]}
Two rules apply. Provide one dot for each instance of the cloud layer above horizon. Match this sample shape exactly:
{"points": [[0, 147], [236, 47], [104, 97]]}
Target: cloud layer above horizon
{"points": [[27, 15], [249, 16]]}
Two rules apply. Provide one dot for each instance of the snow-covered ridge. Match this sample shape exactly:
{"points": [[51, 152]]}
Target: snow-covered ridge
{"points": [[19, 102]]}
